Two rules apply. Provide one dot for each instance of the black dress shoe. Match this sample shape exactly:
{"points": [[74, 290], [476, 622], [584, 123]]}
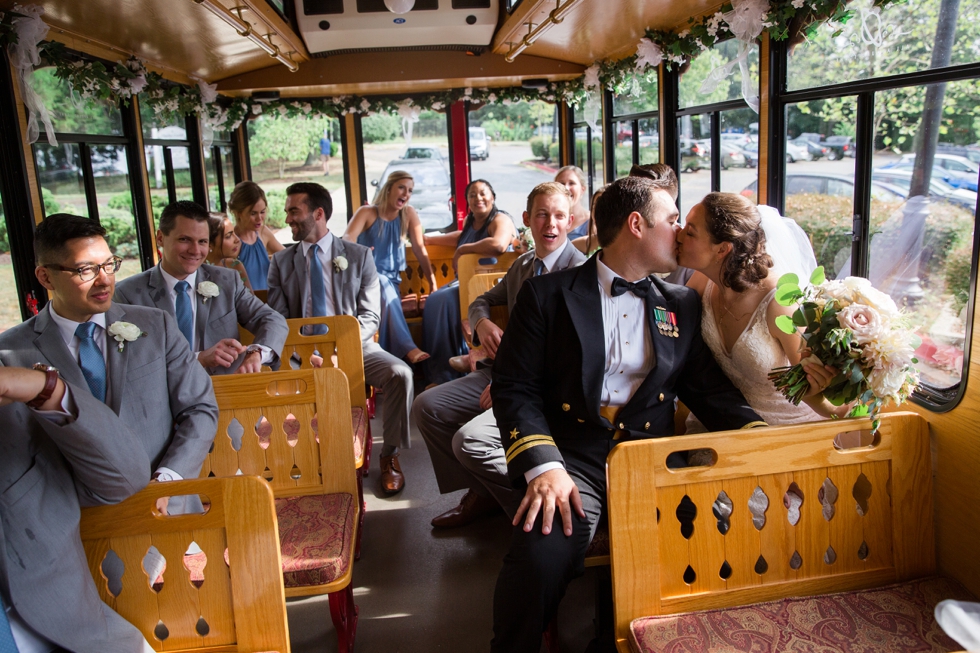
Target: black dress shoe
{"points": [[470, 508]]}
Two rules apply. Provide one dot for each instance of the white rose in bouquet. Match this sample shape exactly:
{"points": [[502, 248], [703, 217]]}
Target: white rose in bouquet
{"points": [[887, 381]]}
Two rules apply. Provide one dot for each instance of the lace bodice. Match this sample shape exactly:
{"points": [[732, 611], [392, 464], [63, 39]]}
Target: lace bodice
{"points": [[754, 354]]}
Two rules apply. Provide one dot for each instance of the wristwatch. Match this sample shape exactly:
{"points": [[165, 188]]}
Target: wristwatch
{"points": [[251, 349], [50, 383]]}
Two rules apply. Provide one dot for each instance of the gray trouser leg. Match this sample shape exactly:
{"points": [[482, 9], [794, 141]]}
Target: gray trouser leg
{"points": [[394, 377], [477, 448], [439, 412]]}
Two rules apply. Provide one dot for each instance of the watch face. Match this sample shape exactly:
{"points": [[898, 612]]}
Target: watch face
{"points": [[44, 367]]}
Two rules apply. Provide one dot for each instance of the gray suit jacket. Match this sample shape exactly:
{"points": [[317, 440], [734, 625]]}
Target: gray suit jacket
{"points": [[218, 317], [356, 290], [46, 471], [176, 432], [520, 271]]}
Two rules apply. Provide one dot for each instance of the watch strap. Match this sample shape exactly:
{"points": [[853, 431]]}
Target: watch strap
{"points": [[50, 383]]}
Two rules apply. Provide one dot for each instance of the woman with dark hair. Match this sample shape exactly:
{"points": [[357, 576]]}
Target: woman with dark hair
{"points": [[724, 241], [486, 230], [384, 226], [248, 204]]}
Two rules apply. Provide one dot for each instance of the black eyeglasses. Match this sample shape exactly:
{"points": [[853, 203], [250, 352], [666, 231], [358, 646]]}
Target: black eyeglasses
{"points": [[89, 272]]}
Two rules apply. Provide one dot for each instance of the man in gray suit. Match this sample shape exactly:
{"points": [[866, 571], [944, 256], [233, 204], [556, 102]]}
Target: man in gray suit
{"points": [[322, 275], [455, 418], [66, 450], [208, 302], [132, 358]]}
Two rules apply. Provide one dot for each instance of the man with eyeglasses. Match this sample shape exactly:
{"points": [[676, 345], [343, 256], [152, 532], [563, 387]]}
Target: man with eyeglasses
{"points": [[209, 302], [125, 372]]}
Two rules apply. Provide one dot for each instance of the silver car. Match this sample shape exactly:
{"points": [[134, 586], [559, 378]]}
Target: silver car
{"points": [[432, 196]]}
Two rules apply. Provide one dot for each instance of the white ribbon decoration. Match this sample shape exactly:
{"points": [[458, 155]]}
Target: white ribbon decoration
{"points": [[745, 21], [648, 55], [24, 56], [410, 116]]}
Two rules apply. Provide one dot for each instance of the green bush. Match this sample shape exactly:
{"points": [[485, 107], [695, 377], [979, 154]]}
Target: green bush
{"points": [[275, 215], [51, 205], [380, 128], [122, 201], [4, 243], [580, 154], [120, 229], [957, 275], [538, 147], [554, 151], [508, 130]]}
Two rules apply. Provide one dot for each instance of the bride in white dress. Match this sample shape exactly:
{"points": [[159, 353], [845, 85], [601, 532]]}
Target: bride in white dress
{"points": [[724, 241]]}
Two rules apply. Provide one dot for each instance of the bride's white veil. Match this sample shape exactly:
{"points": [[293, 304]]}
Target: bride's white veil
{"points": [[787, 244]]}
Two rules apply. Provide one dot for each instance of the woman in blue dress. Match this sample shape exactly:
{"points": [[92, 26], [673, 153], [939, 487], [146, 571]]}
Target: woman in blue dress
{"points": [[486, 230], [574, 180], [248, 205], [383, 226]]}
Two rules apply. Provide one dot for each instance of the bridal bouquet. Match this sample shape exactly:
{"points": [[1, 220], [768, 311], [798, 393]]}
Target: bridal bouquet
{"points": [[855, 328]]}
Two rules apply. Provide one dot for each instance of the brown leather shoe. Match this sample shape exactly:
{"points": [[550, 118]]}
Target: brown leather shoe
{"points": [[471, 507], [392, 479], [460, 363]]}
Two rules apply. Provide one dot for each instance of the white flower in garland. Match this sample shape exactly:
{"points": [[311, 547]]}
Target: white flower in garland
{"points": [[340, 264], [436, 106], [256, 109], [124, 332], [365, 105], [207, 290], [307, 108], [648, 54]]}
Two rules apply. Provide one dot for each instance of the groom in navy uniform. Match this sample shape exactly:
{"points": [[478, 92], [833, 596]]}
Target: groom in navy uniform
{"points": [[593, 356]]}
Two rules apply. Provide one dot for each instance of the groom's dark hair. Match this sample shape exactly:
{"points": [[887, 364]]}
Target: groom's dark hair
{"points": [[619, 200]]}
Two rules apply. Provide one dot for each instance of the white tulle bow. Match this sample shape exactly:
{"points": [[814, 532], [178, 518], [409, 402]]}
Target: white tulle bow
{"points": [[24, 57], [746, 21]]}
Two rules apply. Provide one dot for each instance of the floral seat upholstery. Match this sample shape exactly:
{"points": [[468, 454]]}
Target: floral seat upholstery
{"points": [[360, 428], [883, 620], [599, 546], [315, 537]]}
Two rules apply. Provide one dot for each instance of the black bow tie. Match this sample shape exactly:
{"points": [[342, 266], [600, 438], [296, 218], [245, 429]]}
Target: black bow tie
{"points": [[641, 288]]}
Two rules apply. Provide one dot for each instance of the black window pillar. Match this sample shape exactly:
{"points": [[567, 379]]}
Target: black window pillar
{"points": [[776, 138]]}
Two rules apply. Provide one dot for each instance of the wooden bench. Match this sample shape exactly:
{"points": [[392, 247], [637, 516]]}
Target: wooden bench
{"points": [[866, 521], [478, 274], [218, 582]]}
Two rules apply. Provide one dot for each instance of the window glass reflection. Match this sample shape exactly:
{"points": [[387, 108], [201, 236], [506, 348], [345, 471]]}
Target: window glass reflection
{"points": [[70, 114], [59, 172]]}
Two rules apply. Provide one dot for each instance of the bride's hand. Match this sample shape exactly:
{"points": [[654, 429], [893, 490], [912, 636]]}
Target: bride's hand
{"points": [[819, 377]]}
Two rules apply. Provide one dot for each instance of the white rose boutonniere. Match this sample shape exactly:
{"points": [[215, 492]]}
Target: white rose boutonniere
{"points": [[340, 264], [124, 332], [207, 290]]}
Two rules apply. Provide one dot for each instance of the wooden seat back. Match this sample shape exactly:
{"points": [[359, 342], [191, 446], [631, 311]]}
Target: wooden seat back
{"points": [[228, 597], [296, 455], [879, 531], [414, 281], [479, 273], [343, 339]]}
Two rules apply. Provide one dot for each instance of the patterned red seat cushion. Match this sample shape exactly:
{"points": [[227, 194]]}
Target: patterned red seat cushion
{"points": [[599, 546], [315, 535], [360, 426], [891, 619]]}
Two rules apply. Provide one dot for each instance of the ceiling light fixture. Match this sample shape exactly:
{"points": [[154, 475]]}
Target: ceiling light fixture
{"points": [[399, 6]]}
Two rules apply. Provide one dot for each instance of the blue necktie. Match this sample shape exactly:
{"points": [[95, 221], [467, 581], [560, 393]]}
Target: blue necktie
{"points": [[185, 314], [318, 291], [538, 267], [7, 643], [90, 359]]}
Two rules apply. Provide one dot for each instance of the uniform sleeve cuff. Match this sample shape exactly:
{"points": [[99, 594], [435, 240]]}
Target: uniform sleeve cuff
{"points": [[538, 470]]}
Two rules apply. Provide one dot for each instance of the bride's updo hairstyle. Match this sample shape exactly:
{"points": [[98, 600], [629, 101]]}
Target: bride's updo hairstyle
{"points": [[731, 218]]}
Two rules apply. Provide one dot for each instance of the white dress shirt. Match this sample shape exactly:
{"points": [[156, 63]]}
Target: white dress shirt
{"points": [[326, 249], [630, 353], [551, 259]]}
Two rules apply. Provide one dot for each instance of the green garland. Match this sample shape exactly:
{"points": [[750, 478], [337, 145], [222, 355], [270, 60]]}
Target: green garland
{"points": [[786, 20]]}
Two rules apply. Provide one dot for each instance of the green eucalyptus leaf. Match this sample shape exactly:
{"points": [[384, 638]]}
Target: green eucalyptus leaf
{"points": [[787, 279], [818, 276], [785, 324], [787, 294]]}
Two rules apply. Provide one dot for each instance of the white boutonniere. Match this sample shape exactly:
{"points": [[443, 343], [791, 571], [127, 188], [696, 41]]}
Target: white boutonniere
{"points": [[207, 290], [340, 264], [124, 332]]}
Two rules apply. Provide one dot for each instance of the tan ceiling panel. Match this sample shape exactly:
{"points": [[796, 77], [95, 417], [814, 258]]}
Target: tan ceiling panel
{"points": [[596, 29], [178, 35], [374, 73]]}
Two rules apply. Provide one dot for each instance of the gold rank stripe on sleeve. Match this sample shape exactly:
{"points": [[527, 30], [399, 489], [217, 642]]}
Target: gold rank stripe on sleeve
{"points": [[754, 425], [526, 443]]}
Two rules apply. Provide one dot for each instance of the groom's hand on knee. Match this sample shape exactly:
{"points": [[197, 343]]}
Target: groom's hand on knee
{"points": [[552, 488]]}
